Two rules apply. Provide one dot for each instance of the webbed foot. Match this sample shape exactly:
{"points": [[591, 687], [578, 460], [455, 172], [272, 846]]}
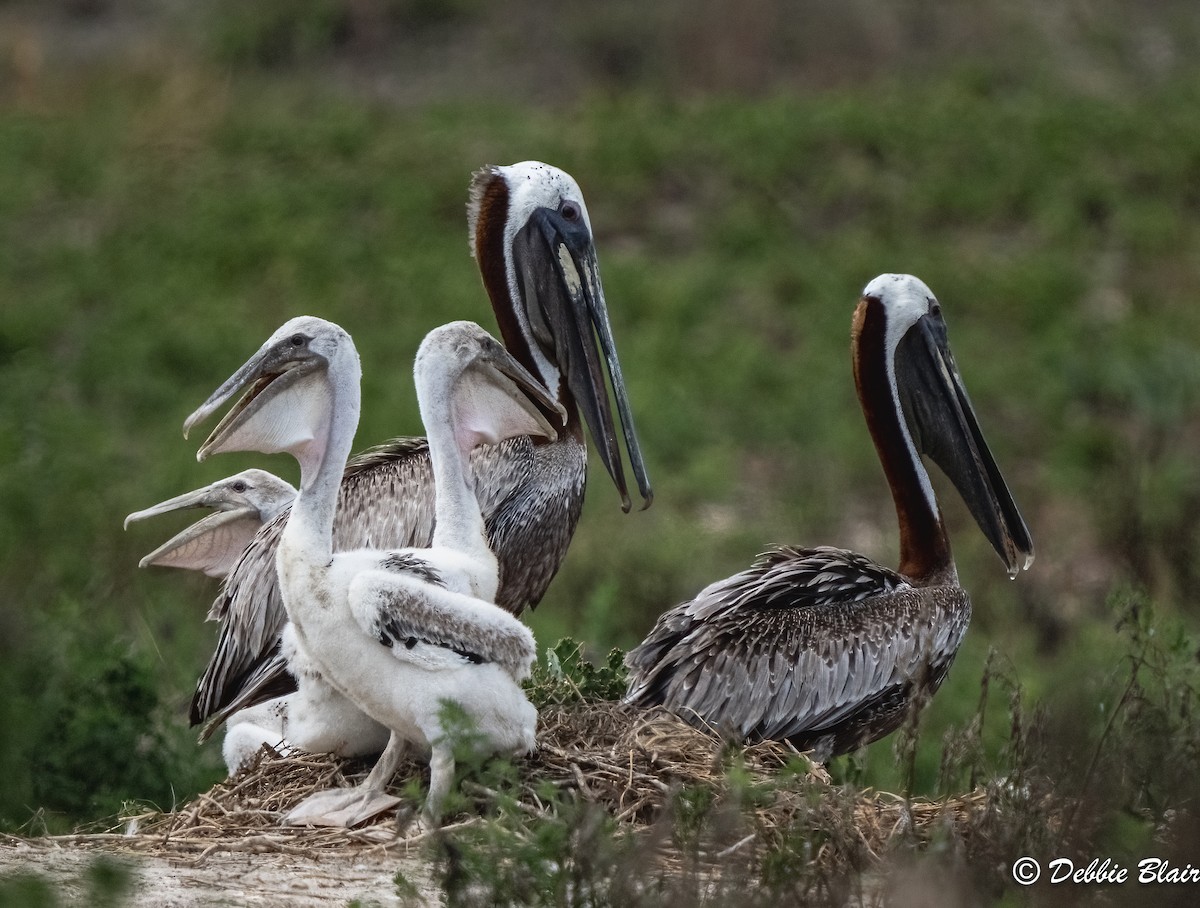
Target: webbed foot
{"points": [[345, 807]]}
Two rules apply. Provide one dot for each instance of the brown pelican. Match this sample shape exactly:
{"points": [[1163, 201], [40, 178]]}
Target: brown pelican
{"points": [[243, 503], [824, 647], [532, 240], [400, 633]]}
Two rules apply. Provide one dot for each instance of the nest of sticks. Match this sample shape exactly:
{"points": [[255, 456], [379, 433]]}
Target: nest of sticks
{"points": [[631, 763]]}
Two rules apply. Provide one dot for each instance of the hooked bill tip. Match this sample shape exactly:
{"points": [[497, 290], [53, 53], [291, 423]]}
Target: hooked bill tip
{"points": [[189, 424], [1025, 565]]}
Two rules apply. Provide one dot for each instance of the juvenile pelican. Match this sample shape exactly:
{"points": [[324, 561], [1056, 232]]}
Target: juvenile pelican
{"points": [[532, 240], [400, 633], [313, 718], [823, 647], [242, 504]]}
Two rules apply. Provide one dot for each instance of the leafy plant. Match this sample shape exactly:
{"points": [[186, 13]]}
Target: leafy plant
{"points": [[1146, 758], [566, 676]]}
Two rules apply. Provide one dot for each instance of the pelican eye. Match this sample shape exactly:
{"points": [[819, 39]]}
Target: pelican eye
{"points": [[297, 340], [569, 210], [239, 486]]}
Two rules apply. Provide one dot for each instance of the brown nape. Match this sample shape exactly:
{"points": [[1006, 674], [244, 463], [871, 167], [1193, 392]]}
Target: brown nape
{"points": [[490, 222], [925, 557], [489, 256]]}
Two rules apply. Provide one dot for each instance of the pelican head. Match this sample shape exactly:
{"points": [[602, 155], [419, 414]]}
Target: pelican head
{"points": [[900, 320], [462, 370], [251, 493], [242, 503], [532, 238], [287, 405]]}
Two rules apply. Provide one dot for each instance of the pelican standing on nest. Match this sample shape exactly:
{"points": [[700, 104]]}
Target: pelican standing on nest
{"points": [[823, 647], [399, 633], [532, 240], [213, 544]]}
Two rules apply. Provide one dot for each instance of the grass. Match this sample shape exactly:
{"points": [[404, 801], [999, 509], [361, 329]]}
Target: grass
{"points": [[160, 217]]}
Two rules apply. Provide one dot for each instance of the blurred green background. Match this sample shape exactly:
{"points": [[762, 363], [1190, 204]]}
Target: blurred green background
{"points": [[178, 179]]}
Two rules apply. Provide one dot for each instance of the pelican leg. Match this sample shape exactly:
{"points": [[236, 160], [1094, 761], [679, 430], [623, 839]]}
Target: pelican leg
{"points": [[441, 777], [350, 806], [385, 766]]}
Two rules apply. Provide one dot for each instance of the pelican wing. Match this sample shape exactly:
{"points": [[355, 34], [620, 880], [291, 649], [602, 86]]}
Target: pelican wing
{"points": [[817, 646], [405, 604], [530, 495]]}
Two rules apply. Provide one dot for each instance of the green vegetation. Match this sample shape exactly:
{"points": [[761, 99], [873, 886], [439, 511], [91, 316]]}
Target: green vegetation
{"points": [[565, 675], [105, 883], [160, 215]]}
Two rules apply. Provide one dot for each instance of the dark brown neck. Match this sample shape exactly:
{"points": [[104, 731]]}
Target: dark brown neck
{"points": [[493, 268], [489, 256], [924, 548]]}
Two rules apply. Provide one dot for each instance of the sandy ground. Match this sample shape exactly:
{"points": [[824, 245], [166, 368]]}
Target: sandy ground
{"points": [[164, 881]]}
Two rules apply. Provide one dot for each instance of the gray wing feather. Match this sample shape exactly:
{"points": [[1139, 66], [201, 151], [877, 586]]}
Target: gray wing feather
{"points": [[804, 644], [403, 616]]}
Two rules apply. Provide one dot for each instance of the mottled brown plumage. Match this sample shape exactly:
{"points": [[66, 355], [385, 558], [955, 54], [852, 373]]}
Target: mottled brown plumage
{"points": [[819, 647], [823, 647]]}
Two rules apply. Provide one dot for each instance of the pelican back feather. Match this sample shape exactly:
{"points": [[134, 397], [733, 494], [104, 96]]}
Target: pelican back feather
{"points": [[821, 647]]}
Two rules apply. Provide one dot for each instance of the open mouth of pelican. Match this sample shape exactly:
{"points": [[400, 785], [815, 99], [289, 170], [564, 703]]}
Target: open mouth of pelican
{"points": [[548, 411], [497, 399], [277, 410], [252, 394], [211, 544]]}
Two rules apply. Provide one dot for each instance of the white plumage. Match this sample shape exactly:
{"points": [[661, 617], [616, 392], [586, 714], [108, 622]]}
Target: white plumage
{"points": [[397, 633]]}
